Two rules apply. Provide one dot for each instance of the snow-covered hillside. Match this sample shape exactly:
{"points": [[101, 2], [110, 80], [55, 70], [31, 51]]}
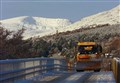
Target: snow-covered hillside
{"points": [[35, 26], [107, 17], [39, 26]]}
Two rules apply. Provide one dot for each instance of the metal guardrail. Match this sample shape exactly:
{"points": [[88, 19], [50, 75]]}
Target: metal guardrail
{"points": [[116, 69], [19, 69]]}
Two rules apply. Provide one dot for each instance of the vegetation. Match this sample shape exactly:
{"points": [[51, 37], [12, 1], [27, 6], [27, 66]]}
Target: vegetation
{"points": [[105, 35], [13, 46]]}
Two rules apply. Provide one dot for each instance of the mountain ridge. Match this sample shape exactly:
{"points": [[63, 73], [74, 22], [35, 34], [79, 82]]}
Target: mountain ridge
{"points": [[39, 26]]}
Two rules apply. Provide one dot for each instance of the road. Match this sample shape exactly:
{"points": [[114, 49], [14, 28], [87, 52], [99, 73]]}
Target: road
{"points": [[74, 77]]}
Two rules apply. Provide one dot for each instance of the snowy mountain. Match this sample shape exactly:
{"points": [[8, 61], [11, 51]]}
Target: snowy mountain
{"points": [[35, 26], [39, 26]]}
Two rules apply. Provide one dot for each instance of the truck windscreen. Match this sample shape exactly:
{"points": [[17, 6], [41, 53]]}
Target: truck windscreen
{"points": [[87, 49]]}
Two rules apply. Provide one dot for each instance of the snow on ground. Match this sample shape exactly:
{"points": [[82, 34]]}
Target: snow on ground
{"points": [[99, 33]]}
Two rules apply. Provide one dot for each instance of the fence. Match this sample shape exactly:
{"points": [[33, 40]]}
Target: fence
{"points": [[116, 69], [13, 70]]}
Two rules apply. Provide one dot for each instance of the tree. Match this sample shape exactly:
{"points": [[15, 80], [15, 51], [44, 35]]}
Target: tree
{"points": [[40, 47], [10, 43]]}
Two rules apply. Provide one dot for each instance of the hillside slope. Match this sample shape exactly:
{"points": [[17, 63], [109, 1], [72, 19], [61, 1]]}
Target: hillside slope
{"points": [[107, 17]]}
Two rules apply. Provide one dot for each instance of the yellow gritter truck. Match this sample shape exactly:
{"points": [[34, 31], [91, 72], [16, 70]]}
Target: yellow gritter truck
{"points": [[88, 56]]}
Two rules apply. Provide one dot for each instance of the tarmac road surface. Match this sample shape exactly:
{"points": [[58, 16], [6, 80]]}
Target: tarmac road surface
{"points": [[74, 77]]}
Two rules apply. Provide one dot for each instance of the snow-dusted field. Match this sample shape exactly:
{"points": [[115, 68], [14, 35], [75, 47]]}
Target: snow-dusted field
{"points": [[99, 33]]}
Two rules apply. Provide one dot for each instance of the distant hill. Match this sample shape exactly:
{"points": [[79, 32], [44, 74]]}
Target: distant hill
{"points": [[35, 26]]}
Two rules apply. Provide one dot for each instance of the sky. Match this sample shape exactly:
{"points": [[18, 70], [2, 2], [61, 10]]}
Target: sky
{"points": [[74, 10]]}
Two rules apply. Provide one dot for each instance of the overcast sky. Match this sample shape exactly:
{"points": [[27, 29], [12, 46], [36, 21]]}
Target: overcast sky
{"points": [[73, 10]]}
